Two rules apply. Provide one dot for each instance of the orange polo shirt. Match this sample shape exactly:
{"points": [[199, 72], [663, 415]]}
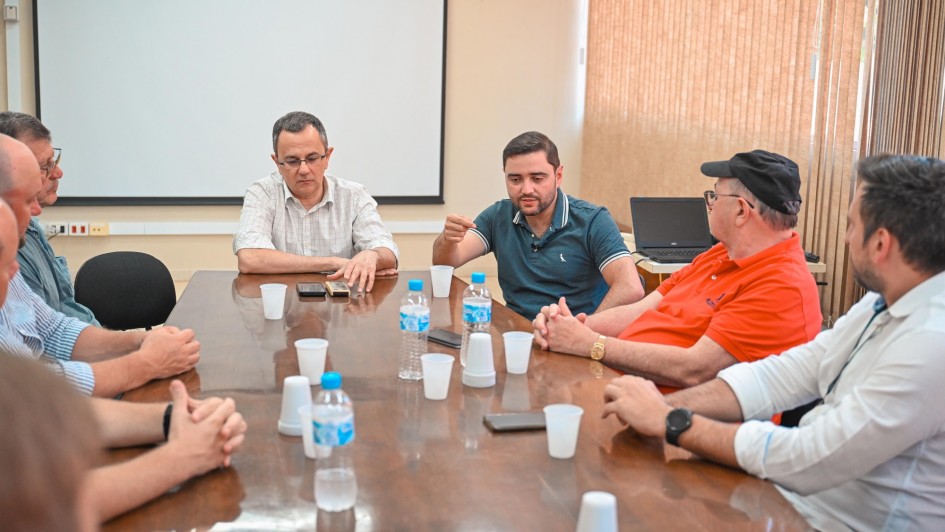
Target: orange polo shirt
{"points": [[753, 307]]}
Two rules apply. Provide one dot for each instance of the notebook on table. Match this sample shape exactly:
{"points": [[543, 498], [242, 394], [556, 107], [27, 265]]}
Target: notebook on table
{"points": [[670, 229]]}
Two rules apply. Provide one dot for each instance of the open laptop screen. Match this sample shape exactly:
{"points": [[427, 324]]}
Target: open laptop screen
{"points": [[670, 222]]}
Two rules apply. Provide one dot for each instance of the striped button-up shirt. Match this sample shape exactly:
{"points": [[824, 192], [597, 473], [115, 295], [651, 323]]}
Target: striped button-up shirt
{"points": [[343, 224], [30, 329]]}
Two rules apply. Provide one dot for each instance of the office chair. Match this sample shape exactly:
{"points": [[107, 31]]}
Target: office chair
{"points": [[126, 290]]}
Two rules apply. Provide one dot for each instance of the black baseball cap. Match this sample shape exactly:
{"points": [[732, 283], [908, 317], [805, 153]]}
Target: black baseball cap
{"points": [[772, 178]]}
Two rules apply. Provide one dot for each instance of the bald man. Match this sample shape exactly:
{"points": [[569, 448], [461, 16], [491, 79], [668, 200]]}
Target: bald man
{"points": [[96, 361]]}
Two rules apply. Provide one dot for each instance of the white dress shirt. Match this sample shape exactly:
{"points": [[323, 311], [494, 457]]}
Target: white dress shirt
{"points": [[872, 456], [344, 223]]}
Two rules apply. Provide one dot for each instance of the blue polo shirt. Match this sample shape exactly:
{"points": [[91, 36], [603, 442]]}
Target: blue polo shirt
{"points": [[565, 261]]}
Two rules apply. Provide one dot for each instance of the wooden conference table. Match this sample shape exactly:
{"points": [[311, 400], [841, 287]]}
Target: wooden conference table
{"points": [[421, 465]]}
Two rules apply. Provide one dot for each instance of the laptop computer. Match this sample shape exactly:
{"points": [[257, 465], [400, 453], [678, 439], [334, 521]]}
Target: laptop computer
{"points": [[670, 230]]}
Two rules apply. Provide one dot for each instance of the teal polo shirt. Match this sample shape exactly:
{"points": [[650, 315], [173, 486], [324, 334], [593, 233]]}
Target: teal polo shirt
{"points": [[565, 261]]}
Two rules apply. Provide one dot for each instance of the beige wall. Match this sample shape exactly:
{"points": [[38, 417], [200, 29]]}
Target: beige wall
{"points": [[512, 66]]}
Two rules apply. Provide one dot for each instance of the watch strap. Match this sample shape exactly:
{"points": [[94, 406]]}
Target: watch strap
{"points": [[677, 421]]}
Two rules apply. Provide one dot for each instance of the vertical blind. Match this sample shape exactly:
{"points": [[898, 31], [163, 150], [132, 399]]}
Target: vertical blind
{"points": [[671, 85]]}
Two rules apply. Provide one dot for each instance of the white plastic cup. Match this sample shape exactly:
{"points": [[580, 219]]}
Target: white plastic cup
{"points": [[273, 296], [296, 393], [480, 367], [518, 347], [437, 369], [308, 431], [441, 277], [311, 353], [598, 512], [562, 424]]}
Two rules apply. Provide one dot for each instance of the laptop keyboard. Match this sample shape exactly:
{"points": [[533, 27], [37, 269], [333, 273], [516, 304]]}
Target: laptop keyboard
{"points": [[675, 252]]}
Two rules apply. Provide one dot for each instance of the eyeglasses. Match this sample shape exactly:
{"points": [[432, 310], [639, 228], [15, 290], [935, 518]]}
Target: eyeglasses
{"points": [[711, 196], [51, 165], [294, 164]]}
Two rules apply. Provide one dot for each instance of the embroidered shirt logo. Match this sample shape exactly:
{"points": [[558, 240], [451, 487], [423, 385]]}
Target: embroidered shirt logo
{"points": [[713, 302], [561, 256]]}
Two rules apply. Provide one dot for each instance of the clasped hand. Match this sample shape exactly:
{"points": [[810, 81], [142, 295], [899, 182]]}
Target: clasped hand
{"points": [[557, 329]]}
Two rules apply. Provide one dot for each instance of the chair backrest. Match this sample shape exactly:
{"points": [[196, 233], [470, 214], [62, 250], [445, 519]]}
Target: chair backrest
{"points": [[126, 290]]}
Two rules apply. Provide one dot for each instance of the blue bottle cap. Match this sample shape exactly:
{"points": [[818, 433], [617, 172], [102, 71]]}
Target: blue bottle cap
{"points": [[415, 285], [478, 277], [331, 380]]}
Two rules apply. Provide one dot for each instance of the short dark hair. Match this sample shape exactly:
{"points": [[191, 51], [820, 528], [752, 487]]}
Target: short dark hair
{"points": [[905, 194], [531, 142], [23, 127], [293, 123]]}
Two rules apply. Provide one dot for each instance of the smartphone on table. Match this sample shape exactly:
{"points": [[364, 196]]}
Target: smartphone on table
{"points": [[310, 289], [337, 289], [514, 421], [447, 338]]}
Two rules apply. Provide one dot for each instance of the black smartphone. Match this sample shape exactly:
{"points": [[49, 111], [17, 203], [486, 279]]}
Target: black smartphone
{"points": [[447, 338], [513, 421], [337, 289], [310, 289]]}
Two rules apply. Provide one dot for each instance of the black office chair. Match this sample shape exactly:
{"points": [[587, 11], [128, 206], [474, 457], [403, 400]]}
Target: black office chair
{"points": [[126, 290]]}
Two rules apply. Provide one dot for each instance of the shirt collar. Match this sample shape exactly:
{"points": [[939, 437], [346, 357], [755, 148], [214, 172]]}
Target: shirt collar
{"points": [[561, 216], [329, 196], [918, 296]]}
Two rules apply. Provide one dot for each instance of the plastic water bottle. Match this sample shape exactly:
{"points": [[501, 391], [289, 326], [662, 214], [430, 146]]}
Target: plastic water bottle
{"points": [[477, 311], [336, 487], [414, 326]]}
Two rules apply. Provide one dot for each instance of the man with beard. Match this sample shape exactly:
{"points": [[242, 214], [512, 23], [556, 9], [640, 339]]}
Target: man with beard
{"points": [[547, 244], [871, 455]]}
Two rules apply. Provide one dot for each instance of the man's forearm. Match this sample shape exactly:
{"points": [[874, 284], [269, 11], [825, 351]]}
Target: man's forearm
{"points": [[666, 364], [613, 321], [118, 375], [275, 261], [95, 344], [385, 258], [712, 440], [713, 399], [123, 423], [446, 253], [115, 489]]}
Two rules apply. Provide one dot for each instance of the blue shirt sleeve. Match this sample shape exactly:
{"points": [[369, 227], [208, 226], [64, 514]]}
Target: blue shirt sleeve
{"points": [[484, 225], [604, 240], [79, 374]]}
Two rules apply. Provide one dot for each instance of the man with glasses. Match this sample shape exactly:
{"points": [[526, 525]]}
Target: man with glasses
{"points": [[300, 219], [747, 297], [44, 272], [871, 455]]}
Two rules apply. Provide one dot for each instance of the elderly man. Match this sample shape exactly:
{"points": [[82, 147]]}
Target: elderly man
{"points": [[871, 455], [747, 297], [96, 361], [44, 272], [201, 434], [301, 219], [547, 244]]}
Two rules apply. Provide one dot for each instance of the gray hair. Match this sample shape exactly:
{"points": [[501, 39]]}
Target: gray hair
{"points": [[293, 123], [22, 126], [776, 220]]}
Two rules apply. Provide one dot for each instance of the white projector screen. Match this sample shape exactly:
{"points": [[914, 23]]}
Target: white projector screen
{"points": [[172, 102]]}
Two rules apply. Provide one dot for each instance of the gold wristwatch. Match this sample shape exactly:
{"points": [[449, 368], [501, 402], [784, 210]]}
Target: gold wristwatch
{"points": [[597, 352]]}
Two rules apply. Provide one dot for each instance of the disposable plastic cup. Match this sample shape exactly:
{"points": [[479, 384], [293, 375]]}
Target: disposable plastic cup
{"points": [[311, 353], [308, 431], [296, 393], [598, 512], [441, 278], [562, 424], [480, 367], [518, 347], [273, 296], [437, 368]]}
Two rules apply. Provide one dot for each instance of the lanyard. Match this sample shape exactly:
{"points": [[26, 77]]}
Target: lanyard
{"points": [[878, 307]]}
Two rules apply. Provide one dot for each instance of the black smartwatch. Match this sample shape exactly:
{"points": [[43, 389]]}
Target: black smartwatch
{"points": [[677, 422]]}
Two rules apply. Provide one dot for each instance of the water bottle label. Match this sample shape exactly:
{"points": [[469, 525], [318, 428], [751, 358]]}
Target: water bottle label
{"points": [[334, 434], [413, 321], [477, 313]]}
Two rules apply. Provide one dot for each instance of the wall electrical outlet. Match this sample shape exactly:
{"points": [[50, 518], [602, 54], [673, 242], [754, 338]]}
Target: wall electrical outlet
{"points": [[78, 229], [98, 228], [56, 228]]}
